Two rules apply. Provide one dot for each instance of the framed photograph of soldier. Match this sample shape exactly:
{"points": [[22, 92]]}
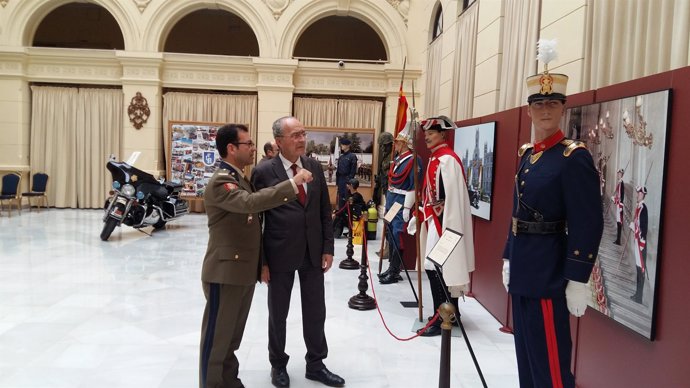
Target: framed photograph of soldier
{"points": [[323, 144], [193, 155], [627, 140], [475, 146]]}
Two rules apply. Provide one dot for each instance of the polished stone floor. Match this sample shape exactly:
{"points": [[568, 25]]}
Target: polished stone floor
{"points": [[79, 312]]}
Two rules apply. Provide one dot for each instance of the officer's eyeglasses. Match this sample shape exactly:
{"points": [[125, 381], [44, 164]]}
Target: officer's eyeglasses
{"points": [[249, 143], [550, 104]]}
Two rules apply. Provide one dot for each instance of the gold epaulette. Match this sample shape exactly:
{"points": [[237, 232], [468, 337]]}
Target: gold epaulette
{"points": [[571, 145], [524, 148]]}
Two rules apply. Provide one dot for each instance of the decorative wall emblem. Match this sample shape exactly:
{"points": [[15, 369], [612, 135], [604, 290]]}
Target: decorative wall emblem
{"points": [[138, 111], [402, 6], [142, 4], [277, 6], [4, 2]]}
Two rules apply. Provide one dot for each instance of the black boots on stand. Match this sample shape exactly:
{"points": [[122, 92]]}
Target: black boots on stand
{"points": [[392, 274], [439, 296]]}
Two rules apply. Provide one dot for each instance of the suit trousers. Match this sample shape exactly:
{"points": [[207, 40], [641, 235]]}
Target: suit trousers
{"points": [[225, 316], [541, 329], [311, 282]]}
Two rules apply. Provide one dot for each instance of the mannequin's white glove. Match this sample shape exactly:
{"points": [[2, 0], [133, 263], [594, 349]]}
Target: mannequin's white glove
{"points": [[576, 296], [506, 273], [412, 226], [406, 214]]}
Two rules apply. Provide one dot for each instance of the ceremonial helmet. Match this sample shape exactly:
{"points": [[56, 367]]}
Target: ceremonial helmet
{"points": [[546, 85], [406, 135]]}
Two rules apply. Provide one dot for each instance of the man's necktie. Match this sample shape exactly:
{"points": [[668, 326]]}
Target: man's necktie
{"points": [[301, 194]]}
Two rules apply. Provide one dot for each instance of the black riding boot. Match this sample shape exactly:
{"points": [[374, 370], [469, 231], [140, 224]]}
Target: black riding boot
{"points": [[438, 295], [618, 233], [392, 274]]}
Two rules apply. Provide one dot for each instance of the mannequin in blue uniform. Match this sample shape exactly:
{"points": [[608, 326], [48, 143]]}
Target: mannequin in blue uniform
{"points": [[400, 190], [347, 167], [546, 269]]}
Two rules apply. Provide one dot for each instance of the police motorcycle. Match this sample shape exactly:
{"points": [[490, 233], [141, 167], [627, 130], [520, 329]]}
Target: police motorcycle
{"points": [[139, 200]]}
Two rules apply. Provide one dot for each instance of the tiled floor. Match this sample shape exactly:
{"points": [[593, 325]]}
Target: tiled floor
{"points": [[79, 312]]}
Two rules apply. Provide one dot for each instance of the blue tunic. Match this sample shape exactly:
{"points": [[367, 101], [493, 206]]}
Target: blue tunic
{"points": [[559, 188]]}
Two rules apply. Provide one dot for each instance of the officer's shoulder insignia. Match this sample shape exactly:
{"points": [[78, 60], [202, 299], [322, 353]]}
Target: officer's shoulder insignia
{"points": [[223, 171], [230, 186], [524, 148], [571, 145]]}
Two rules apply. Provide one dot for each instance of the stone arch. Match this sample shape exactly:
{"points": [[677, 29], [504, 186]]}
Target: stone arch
{"points": [[168, 15], [27, 16], [384, 20]]}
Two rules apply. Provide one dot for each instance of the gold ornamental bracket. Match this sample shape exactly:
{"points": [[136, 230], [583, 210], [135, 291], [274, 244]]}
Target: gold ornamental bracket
{"points": [[138, 111], [637, 131]]}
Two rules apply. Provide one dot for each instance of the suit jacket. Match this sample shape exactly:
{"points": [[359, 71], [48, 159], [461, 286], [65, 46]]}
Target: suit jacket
{"points": [[293, 230], [234, 244]]}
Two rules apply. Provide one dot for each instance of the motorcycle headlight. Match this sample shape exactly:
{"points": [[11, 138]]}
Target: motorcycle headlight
{"points": [[116, 185], [128, 190], [140, 195]]}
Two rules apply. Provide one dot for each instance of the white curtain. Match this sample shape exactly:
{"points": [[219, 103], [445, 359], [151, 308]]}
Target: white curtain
{"points": [[72, 133], [465, 57], [520, 35], [632, 39], [216, 108], [433, 77], [338, 113]]}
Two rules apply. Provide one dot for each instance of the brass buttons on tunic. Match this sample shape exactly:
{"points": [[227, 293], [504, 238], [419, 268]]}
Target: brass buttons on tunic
{"points": [[526, 170], [285, 199], [577, 253], [522, 183], [237, 256]]}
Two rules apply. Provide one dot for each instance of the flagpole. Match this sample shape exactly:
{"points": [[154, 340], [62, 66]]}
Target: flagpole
{"points": [[415, 167], [395, 134]]}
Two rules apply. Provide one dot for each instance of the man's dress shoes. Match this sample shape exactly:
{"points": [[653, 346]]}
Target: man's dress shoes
{"points": [[326, 377]]}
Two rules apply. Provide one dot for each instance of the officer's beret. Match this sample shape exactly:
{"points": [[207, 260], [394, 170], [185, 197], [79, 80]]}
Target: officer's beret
{"points": [[345, 141]]}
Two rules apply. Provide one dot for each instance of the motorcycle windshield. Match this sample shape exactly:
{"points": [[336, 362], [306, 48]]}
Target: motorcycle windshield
{"points": [[124, 173]]}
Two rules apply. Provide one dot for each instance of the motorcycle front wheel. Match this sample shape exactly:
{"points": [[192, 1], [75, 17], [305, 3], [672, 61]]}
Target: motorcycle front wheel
{"points": [[108, 228], [159, 225]]}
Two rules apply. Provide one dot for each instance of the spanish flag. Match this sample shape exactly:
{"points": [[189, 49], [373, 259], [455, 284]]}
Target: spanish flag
{"points": [[401, 116]]}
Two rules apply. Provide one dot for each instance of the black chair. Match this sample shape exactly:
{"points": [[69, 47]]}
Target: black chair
{"points": [[10, 191], [39, 183]]}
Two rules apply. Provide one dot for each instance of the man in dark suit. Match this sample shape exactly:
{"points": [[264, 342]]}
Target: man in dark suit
{"points": [[298, 237], [231, 266]]}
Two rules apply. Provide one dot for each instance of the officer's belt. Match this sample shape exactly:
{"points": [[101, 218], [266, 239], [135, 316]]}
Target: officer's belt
{"points": [[544, 227], [399, 191]]}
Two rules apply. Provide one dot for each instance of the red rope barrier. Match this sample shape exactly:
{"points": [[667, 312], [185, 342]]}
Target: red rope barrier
{"points": [[378, 309]]}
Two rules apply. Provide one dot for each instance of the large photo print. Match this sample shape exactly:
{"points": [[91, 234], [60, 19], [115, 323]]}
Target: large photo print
{"points": [[323, 144], [193, 155], [474, 145], [627, 140]]}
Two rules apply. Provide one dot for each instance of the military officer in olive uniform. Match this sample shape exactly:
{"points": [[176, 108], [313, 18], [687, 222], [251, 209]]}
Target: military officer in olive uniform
{"points": [[546, 269], [232, 263]]}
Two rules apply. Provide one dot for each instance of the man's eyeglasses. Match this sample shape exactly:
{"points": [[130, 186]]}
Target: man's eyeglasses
{"points": [[250, 143], [296, 135], [551, 104]]}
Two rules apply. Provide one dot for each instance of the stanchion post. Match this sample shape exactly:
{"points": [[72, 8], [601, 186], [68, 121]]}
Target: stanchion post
{"points": [[349, 262], [447, 312], [362, 301]]}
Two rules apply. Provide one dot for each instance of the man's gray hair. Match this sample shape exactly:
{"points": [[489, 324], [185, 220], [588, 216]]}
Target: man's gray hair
{"points": [[278, 126]]}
